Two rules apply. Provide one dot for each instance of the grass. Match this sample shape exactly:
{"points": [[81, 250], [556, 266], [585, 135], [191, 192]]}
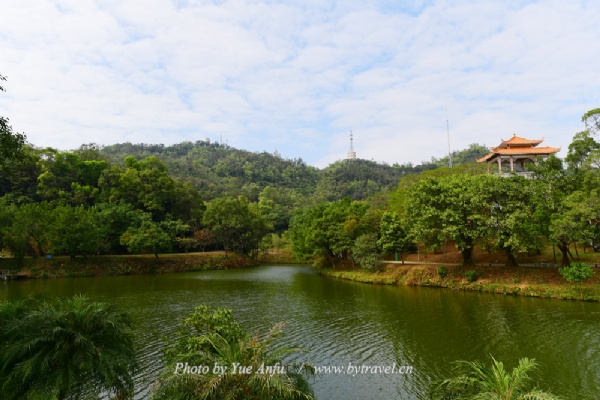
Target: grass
{"points": [[450, 255], [533, 282], [64, 267]]}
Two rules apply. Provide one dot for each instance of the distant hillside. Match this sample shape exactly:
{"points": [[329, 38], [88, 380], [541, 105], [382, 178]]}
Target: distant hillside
{"points": [[217, 170]]}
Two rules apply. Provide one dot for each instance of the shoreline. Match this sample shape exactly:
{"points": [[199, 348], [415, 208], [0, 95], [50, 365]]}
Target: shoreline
{"points": [[516, 281], [543, 282], [115, 265]]}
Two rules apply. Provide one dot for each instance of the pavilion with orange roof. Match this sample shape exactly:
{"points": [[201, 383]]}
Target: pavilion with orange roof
{"points": [[517, 150]]}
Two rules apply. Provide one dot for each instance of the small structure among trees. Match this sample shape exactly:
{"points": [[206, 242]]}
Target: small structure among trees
{"points": [[517, 151]]}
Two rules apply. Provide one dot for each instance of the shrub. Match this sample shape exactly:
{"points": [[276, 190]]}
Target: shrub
{"points": [[476, 380], [471, 275], [365, 252], [214, 338], [442, 271], [516, 280], [577, 272]]}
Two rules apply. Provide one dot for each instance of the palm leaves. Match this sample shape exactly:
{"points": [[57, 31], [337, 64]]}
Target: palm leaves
{"points": [[479, 381], [219, 341], [65, 348]]}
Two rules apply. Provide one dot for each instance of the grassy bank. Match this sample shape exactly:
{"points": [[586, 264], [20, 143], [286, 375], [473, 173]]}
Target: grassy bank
{"points": [[534, 282], [65, 267], [283, 256]]}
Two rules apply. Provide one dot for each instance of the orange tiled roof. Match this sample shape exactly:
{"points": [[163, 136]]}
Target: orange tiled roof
{"points": [[518, 142], [519, 151]]}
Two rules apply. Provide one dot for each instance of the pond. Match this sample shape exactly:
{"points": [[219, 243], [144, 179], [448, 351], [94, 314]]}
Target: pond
{"points": [[344, 323]]}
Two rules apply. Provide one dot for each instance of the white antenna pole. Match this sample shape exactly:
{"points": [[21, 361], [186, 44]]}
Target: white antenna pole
{"points": [[351, 153]]}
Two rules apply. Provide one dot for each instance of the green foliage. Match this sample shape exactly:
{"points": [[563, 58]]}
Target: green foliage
{"points": [[236, 224], [329, 230], [591, 119], [24, 230], [580, 219], [576, 272], [442, 271], [460, 157], [217, 170], [115, 219], [148, 236], [64, 348], [10, 142], [551, 186], [64, 176], [214, 338], [580, 149], [356, 179], [75, 231], [478, 381], [512, 226], [365, 251], [471, 275], [147, 185], [449, 208], [394, 235]]}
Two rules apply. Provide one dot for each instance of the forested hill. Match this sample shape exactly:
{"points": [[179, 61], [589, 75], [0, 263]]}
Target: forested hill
{"points": [[217, 170]]}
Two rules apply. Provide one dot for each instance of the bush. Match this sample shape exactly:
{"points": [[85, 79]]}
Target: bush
{"points": [[61, 348], [365, 252], [471, 275], [214, 338], [516, 280], [442, 271], [577, 272]]}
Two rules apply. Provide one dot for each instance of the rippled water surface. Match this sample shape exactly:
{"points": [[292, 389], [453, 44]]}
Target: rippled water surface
{"points": [[342, 322]]}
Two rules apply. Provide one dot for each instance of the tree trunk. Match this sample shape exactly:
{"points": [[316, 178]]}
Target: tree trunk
{"points": [[511, 261], [402, 257], [467, 255], [564, 249]]}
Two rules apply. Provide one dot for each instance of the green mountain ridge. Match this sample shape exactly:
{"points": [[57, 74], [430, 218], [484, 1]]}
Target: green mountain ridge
{"points": [[217, 170]]}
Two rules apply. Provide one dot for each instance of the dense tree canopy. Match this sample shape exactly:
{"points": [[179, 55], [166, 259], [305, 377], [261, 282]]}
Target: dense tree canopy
{"points": [[10, 141], [155, 198]]}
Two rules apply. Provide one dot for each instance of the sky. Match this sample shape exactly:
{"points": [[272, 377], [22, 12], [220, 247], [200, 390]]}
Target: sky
{"points": [[299, 76]]}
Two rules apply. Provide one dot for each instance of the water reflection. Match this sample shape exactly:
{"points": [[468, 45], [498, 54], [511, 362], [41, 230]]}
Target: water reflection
{"points": [[343, 322]]}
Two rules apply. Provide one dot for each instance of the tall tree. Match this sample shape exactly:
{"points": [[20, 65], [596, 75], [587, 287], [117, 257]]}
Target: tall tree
{"points": [[582, 146], [10, 142], [512, 226], [26, 230], [75, 231], [449, 208], [394, 237], [147, 236], [551, 186], [236, 224], [591, 119]]}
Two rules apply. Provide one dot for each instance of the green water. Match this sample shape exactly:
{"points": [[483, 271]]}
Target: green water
{"points": [[343, 322]]}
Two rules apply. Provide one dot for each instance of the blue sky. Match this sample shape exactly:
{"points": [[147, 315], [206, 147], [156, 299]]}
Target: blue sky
{"points": [[298, 76]]}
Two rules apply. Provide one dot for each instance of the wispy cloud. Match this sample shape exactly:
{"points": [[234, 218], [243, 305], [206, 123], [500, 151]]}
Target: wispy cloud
{"points": [[299, 75]]}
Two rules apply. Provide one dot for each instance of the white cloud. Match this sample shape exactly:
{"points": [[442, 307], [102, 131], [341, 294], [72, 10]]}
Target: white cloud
{"points": [[299, 76]]}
